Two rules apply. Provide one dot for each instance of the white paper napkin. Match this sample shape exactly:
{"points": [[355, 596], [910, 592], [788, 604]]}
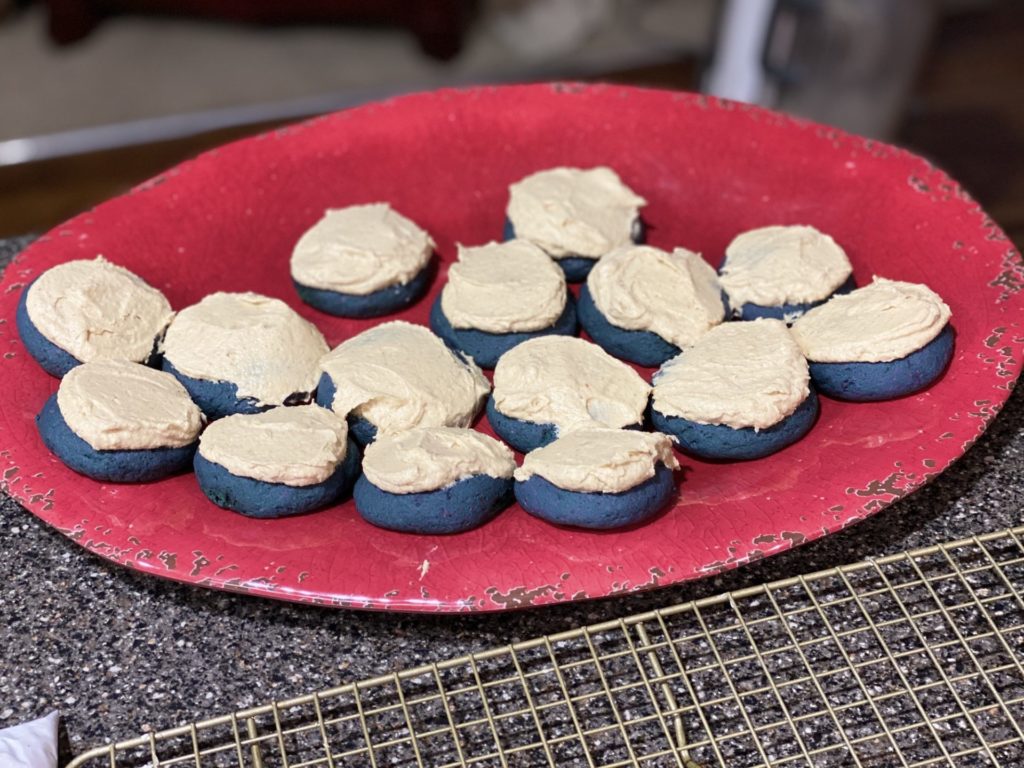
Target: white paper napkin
{"points": [[30, 745]]}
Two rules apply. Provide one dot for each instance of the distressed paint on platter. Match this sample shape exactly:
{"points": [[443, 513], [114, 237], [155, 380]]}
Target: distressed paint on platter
{"points": [[226, 221]]}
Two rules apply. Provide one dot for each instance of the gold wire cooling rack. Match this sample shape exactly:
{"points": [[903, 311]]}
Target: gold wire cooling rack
{"points": [[909, 660]]}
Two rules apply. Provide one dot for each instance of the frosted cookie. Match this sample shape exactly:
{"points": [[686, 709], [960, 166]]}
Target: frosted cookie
{"points": [[499, 295], [575, 215], [121, 422], [741, 392], [645, 305], [598, 478], [88, 310], [398, 376], [362, 261], [434, 480], [781, 272], [243, 353], [277, 463], [549, 385], [885, 340]]}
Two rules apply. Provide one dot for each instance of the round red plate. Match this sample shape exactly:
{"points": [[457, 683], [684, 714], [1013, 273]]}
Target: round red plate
{"points": [[227, 221]]}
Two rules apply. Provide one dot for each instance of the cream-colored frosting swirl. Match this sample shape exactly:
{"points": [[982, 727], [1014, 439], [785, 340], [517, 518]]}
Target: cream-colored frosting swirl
{"points": [[772, 266], [878, 323], [574, 211], [504, 288], [257, 343], [599, 460], [398, 376], [360, 249], [675, 295], [296, 446], [95, 310], [429, 458], [568, 382], [748, 374], [117, 405]]}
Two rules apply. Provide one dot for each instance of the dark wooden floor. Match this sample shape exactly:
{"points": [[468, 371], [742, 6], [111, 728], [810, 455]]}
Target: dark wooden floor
{"points": [[967, 115]]}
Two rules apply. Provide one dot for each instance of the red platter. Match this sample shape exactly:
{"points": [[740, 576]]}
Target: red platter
{"points": [[227, 221]]}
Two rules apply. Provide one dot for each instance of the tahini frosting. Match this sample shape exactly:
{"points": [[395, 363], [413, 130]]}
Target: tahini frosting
{"points": [[96, 310], [504, 288], [360, 249], [772, 266], [117, 405], [258, 343], [878, 323], [296, 446], [749, 374], [597, 460], [574, 211], [398, 376], [675, 295], [568, 382], [429, 458]]}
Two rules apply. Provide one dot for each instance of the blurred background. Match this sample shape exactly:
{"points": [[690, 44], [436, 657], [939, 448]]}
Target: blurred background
{"points": [[98, 95]]}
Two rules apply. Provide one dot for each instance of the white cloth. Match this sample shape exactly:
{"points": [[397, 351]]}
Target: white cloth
{"points": [[30, 745]]}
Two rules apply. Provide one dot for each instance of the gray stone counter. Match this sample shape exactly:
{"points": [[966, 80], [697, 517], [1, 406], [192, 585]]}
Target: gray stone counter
{"points": [[118, 652]]}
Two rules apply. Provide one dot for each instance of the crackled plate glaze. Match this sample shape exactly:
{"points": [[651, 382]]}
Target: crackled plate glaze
{"points": [[227, 221]]}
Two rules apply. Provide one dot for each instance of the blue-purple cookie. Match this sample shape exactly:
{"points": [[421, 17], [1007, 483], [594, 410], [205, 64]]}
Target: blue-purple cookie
{"points": [[397, 376], [885, 340], [121, 422], [88, 310], [277, 463], [575, 215], [434, 480], [781, 272], [641, 347], [487, 348], [788, 312], [741, 392], [576, 268], [362, 261], [499, 295], [545, 386], [598, 478], [644, 304], [243, 353], [361, 430], [383, 301], [721, 442]]}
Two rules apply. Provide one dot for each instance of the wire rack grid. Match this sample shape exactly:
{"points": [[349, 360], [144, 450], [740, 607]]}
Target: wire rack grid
{"points": [[913, 660]]}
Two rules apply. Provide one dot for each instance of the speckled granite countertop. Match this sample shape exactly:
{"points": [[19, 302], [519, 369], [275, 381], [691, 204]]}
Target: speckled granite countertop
{"points": [[118, 652]]}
